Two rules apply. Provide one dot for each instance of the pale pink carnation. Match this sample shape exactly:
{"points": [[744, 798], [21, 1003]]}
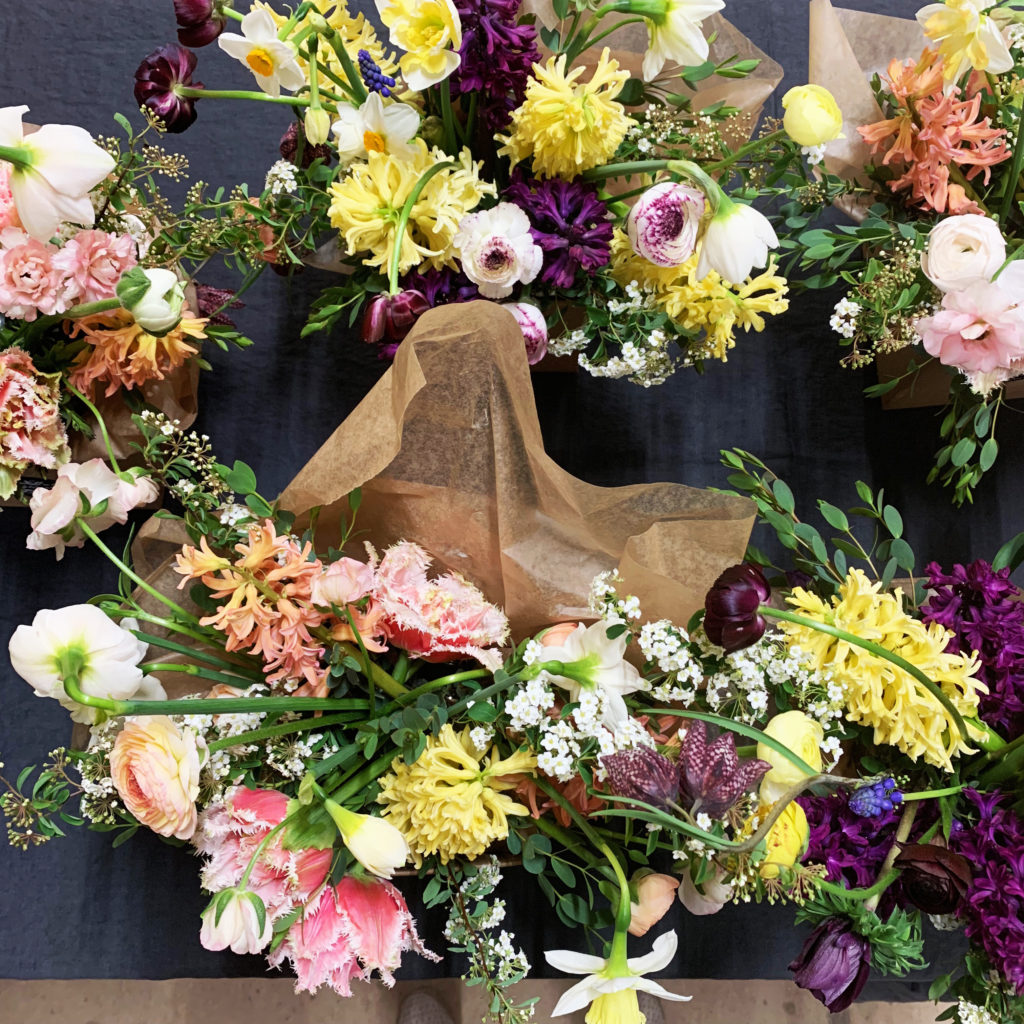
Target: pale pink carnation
{"points": [[31, 431], [93, 262], [8, 211], [979, 331], [228, 835], [438, 619], [30, 281]]}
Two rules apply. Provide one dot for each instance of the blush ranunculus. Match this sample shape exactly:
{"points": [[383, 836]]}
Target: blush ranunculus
{"points": [[663, 223], [31, 282], [155, 767], [93, 262], [534, 327], [961, 250], [497, 250], [655, 894], [343, 582]]}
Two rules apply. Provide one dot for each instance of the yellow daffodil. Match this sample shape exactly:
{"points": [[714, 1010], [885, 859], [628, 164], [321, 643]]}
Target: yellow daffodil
{"points": [[431, 34], [878, 693], [447, 803], [568, 126], [967, 37]]}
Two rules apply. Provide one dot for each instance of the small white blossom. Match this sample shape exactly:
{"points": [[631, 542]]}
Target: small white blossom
{"points": [[281, 178]]}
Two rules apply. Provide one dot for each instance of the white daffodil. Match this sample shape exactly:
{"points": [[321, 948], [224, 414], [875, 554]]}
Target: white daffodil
{"points": [[592, 660], [375, 128], [52, 172], [270, 59], [107, 657], [736, 240], [673, 32], [966, 37], [612, 986]]}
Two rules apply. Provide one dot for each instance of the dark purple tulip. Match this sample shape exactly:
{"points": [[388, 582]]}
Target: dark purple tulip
{"points": [[390, 317], [834, 964], [934, 879], [712, 778], [155, 85], [731, 619], [199, 21], [643, 774]]}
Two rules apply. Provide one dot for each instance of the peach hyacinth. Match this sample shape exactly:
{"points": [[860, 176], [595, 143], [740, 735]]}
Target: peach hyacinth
{"points": [[155, 767]]}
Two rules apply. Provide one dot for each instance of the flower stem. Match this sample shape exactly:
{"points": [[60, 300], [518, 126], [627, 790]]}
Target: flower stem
{"points": [[1015, 169], [879, 651], [282, 729], [186, 669], [437, 684], [485, 694], [19, 156], [353, 76], [375, 675], [928, 794], [403, 221], [750, 147], [362, 779], [448, 117], [630, 167], [89, 308], [100, 423], [902, 832], [239, 94], [211, 659]]}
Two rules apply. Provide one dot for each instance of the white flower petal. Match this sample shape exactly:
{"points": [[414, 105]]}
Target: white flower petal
{"points": [[259, 26], [569, 961], [583, 993], [660, 956], [11, 131], [652, 987], [68, 159], [234, 45]]}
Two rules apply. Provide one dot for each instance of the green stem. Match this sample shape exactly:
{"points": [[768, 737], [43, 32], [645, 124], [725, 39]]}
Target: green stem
{"points": [[374, 673], [339, 759], [902, 832], [750, 147], [362, 779], [1015, 169], [928, 794], [448, 117], [239, 94], [879, 651], [258, 852], [479, 695], [631, 167], [353, 76], [19, 156], [100, 423], [594, 40], [282, 729], [89, 308], [185, 669], [211, 659], [176, 627], [879, 886], [438, 684], [132, 575], [403, 221]]}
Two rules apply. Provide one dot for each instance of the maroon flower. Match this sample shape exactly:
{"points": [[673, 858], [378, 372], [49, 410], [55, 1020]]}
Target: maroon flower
{"points": [[711, 776], [157, 80], [213, 301], [199, 21], [731, 618], [390, 317], [643, 774], [834, 964], [289, 147], [934, 879]]}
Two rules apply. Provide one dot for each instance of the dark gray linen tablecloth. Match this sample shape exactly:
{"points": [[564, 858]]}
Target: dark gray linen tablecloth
{"points": [[75, 908]]}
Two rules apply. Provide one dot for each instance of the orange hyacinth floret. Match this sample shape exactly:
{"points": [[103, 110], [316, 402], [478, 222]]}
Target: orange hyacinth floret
{"points": [[121, 354]]}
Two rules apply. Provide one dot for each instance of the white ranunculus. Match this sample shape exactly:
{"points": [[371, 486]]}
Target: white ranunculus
{"points": [[57, 166], [497, 250], [108, 653], [375, 127], [736, 240], [154, 296], [233, 920], [534, 327], [664, 221], [962, 250], [272, 60], [674, 33]]}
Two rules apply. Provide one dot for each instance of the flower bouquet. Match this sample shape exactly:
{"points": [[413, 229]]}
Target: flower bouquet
{"points": [[366, 713], [935, 147], [502, 153]]}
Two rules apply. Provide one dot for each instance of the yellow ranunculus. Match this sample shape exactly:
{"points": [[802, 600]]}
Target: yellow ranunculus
{"points": [[812, 115], [802, 735], [785, 841]]}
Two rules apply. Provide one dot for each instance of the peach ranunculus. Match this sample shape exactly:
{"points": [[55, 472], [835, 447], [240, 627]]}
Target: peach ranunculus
{"points": [[655, 894], [155, 767], [555, 636]]}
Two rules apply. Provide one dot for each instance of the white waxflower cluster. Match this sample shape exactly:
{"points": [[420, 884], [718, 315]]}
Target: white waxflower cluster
{"points": [[507, 960], [844, 318], [530, 706], [480, 736], [289, 758], [667, 647], [646, 364], [569, 343], [972, 1013], [635, 300], [281, 178], [605, 602], [232, 515], [815, 154]]}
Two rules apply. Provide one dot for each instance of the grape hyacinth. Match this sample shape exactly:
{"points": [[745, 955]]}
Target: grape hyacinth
{"points": [[877, 799], [373, 78]]}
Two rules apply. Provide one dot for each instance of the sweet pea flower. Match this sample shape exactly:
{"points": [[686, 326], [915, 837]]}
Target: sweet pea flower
{"points": [[52, 172], [375, 128], [271, 60], [962, 250], [673, 32], [236, 920], [534, 327], [655, 893], [612, 987], [154, 296], [374, 842], [736, 240], [497, 250], [430, 32], [663, 223], [106, 655], [343, 582], [155, 767]]}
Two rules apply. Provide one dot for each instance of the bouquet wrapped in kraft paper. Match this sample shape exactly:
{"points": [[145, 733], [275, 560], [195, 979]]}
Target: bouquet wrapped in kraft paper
{"points": [[447, 449]]}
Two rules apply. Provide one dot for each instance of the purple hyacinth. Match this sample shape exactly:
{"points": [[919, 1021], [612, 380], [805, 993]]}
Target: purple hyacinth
{"points": [[568, 221], [985, 611], [441, 287], [496, 57]]}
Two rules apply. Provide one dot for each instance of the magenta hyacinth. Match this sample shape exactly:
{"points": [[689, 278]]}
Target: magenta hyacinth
{"points": [[156, 79]]}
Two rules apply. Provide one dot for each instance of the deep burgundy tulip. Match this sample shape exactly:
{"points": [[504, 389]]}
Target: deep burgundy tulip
{"points": [[731, 619], [711, 775], [199, 21], [643, 774], [834, 964], [934, 879], [390, 317], [155, 80]]}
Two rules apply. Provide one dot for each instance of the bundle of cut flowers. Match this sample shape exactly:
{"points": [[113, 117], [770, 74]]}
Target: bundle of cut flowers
{"points": [[933, 268], [484, 151], [352, 715]]}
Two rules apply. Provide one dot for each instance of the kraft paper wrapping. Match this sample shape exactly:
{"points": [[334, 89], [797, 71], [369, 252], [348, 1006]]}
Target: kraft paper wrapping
{"points": [[448, 452]]}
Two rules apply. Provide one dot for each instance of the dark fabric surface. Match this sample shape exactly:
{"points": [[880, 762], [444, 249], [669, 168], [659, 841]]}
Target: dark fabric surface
{"points": [[76, 908]]}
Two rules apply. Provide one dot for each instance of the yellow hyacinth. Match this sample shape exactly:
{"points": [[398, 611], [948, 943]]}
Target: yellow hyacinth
{"points": [[901, 711], [567, 126], [709, 303], [446, 803], [366, 204]]}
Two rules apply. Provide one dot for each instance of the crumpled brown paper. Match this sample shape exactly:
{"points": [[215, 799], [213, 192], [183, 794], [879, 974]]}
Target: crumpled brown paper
{"points": [[448, 452]]}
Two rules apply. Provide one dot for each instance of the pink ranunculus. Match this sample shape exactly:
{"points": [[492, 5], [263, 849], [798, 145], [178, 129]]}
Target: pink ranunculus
{"points": [[93, 262], [228, 835], [534, 327], [663, 223], [709, 899], [30, 282], [655, 895], [441, 619], [342, 582], [979, 330], [31, 431]]}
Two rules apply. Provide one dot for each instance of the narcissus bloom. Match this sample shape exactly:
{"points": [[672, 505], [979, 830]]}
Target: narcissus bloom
{"points": [[673, 32], [271, 60], [375, 843], [375, 127], [967, 37], [431, 34]]}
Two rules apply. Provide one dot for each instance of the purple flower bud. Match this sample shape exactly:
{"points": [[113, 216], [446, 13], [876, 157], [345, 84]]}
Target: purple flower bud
{"points": [[156, 79], [199, 21], [934, 879], [712, 776], [663, 223], [834, 964], [731, 619], [390, 317], [643, 774]]}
